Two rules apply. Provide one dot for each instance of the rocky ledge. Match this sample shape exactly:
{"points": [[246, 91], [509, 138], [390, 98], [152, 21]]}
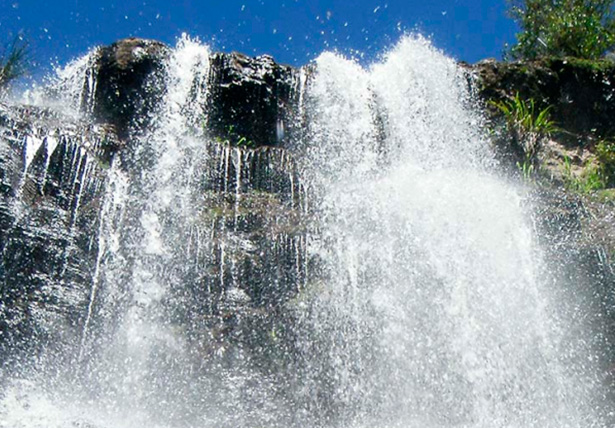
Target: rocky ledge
{"points": [[249, 98], [252, 97], [581, 92]]}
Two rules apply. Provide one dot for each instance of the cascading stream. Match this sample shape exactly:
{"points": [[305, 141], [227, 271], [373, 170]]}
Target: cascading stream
{"points": [[375, 273]]}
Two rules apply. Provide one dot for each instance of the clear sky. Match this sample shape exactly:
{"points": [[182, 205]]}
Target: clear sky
{"points": [[293, 31]]}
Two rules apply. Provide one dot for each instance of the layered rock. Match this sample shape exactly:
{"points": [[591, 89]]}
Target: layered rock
{"points": [[250, 99], [243, 262]]}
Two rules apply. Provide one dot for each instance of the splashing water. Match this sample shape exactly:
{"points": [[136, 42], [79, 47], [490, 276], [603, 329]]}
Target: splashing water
{"points": [[425, 304], [71, 90]]}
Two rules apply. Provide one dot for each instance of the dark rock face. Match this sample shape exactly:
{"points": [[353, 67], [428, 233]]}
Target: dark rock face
{"points": [[51, 189], [581, 92], [128, 82], [250, 98], [53, 178], [240, 285]]}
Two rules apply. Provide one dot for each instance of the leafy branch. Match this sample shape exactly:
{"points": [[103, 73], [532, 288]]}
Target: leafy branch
{"points": [[576, 28]]}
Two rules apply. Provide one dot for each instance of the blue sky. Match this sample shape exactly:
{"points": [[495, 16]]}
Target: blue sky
{"points": [[293, 31]]}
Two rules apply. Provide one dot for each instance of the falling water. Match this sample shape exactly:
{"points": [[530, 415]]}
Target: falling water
{"points": [[432, 293], [376, 273]]}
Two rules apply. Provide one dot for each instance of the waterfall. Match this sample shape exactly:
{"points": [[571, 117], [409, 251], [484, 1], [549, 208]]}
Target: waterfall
{"points": [[375, 272], [433, 289]]}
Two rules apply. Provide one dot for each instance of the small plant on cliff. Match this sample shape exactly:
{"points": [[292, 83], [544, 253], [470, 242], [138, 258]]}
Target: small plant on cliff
{"points": [[592, 177], [526, 127], [12, 62], [597, 174], [605, 153], [234, 139], [577, 28]]}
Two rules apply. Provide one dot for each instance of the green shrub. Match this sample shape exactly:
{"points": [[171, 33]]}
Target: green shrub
{"points": [[559, 28], [232, 138]]}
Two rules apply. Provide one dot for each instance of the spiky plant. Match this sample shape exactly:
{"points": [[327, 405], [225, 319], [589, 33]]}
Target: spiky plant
{"points": [[526, 125]]}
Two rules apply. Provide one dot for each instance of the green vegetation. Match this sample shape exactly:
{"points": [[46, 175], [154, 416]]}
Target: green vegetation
{"points": [[591, 179], [234, 139], [606, 196], [526, 127], [13, 63], [594, 66], [526, 168], [598, 174], [562, 28]]}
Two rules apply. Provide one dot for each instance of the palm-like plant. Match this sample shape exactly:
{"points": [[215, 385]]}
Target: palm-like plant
{"points": [[13, 62], [527, 127]]}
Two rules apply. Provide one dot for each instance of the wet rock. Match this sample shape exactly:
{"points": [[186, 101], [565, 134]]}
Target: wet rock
{"points": [[51, 188], [100, 140], [250, 99], [128, 82], [577, 237], [249, 104]]}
